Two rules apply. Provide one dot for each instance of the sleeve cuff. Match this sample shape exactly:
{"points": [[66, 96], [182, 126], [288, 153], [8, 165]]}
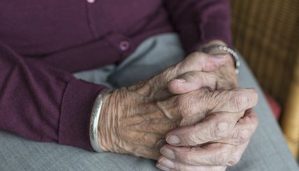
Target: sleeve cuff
{"points": [[75, 114]]}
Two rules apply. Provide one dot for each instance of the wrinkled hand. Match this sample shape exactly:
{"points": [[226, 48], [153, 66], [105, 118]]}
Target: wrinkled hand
{"points": [[223, 77], [213, 144], [134, 124], [136, 119], [218, 140]]}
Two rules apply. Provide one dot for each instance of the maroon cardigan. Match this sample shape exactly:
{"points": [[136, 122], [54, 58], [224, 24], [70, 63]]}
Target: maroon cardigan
{"points": [[42, 42]]}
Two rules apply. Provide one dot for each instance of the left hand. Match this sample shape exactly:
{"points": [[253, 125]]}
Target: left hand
{"points": [[223, 77]]}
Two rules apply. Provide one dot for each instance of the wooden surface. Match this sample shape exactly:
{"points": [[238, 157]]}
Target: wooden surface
{"points": [[266, 32]]}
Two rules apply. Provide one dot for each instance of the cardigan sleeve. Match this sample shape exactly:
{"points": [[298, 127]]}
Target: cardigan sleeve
{"points": [[200, 21], [42, 103]]}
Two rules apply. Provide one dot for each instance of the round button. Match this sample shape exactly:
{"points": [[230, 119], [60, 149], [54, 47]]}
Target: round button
{"points": [[124, 45], [90, 1]]}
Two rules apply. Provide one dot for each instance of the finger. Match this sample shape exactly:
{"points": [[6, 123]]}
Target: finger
{"points": [[213, 128], [237, 154], [192, 107], [191, 81], [199, 103], [166, 165], [195, 80], [215, 154], [194, 62], [198, 61], [243, 130]]}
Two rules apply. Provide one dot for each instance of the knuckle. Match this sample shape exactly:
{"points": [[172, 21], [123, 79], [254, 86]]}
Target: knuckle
{"points": [[242, 136], [219, 128], [240, 101]]}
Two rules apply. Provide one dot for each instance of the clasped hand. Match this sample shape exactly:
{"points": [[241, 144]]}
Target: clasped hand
{"points": [[189, 117]]}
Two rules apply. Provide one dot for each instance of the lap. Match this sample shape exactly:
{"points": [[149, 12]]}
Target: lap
{"points": [[19, 154], [267, 151]]}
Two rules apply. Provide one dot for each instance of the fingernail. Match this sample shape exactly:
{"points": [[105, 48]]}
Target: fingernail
{"points": [[180, 80], [162, 167], [167, 163], [167, 153], [230, 163], [173, 139], [222, 126]]}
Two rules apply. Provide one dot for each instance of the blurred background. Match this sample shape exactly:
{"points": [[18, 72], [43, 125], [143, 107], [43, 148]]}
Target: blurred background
{"points": [[266, 33]]}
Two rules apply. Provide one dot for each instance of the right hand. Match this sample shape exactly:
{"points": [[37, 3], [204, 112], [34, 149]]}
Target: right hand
{"points": [[218, 141], [136, 119]]}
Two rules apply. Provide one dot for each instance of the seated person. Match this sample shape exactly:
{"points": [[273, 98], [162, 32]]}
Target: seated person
{"points": [[173, 98]]}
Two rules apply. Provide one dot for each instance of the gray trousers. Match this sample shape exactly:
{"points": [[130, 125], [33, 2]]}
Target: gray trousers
{"points": [[266, 152]]}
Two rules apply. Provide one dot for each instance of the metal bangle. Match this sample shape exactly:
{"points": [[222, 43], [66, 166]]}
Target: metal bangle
{"points": [[94, 120], [234, 55], [227, 50]]}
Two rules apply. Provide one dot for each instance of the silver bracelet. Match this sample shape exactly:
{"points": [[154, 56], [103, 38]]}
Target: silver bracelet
{"points": [[94, 120], [228, 50], [234, 54]]}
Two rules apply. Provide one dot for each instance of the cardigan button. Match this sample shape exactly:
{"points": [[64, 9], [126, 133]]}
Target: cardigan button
{"points": [[90, 1], [124, 45]]}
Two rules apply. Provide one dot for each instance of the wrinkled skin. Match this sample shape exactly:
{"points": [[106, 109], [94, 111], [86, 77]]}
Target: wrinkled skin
{"points": [[136, 119], [201, 146], [226, 143]]}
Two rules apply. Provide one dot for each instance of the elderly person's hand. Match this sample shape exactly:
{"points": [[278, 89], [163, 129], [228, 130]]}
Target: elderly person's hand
{"points": [[127, 108], [135, 124], [135, 119], [218, 140], [223, 77]]}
